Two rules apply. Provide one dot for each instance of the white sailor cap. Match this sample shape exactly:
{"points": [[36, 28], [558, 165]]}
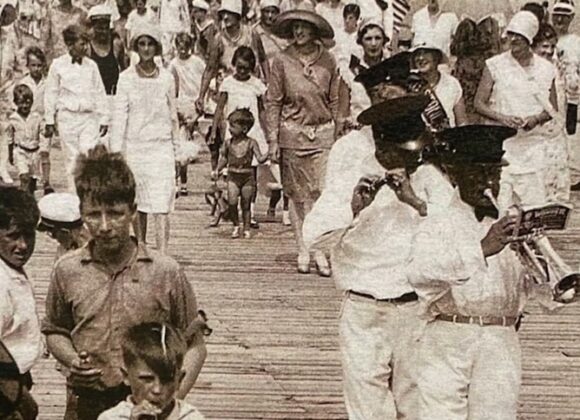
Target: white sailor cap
{"points": [[200, 4], [564, 7], [100, 11], [59, 210]]}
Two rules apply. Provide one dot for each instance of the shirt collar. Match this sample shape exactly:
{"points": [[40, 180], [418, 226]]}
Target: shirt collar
{"points": [[12, 273], [142, 253]]}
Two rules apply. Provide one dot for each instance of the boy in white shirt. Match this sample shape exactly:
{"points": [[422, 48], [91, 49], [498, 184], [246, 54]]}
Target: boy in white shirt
{"points": [[188, 71], [139, 16], [153, 357], [75, 90], [19, 326]]}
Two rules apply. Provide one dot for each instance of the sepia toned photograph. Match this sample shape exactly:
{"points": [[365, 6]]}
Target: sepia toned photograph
{"points": [[289, 209]]}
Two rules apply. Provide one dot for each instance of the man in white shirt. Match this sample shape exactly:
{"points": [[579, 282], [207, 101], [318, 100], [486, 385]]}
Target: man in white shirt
{"points": [[19, 326], [472, 289], [432, 25], [379, 319], [75, 99]]}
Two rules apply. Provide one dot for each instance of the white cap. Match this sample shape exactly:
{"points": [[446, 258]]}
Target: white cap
{"points": [[524, 23], [429, 45], [59, 209], [200, 4], [150, 30], [100, 10], [269, 3], [232, 6], [564, 8]]}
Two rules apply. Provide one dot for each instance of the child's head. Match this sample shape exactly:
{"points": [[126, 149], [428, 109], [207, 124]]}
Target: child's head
{"points": [[351, 15], [76, 38], [153, 357], [183, 45], [244, 62], [106, 189], [240, 122], [545, 41], [23, 99], [35, 62], [199, 9], [18, 219], [140, 5]]}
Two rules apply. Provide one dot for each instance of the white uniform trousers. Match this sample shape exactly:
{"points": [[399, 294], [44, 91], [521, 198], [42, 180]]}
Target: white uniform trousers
{"points": [[79, 132], [468, 372], [378, 342]]}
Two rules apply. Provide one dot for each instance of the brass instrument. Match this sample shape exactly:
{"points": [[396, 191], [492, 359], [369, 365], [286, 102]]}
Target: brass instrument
{"points": [[541, 262]]}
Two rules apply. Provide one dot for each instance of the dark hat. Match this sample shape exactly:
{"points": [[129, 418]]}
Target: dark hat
{"points": [[398, 121], [394, 70], [475, 144]]}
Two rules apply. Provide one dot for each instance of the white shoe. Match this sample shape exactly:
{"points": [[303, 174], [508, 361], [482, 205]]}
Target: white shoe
{"points": [[236, 232], [6, 178], [286, 218]]}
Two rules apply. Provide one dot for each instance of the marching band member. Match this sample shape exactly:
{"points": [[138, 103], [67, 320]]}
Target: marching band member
{"points": [[472, 289]]}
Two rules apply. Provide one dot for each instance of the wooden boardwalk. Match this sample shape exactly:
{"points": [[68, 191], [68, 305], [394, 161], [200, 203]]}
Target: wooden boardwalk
{"points": [[274, 351]]}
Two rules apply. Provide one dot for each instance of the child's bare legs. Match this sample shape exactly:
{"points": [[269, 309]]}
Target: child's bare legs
{"points": [[233, 196], [140, 226], [253, 222], [248, 193], [161, 221]]}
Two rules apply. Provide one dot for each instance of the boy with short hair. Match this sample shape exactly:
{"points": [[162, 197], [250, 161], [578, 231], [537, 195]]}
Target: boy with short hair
{"points": [[75, 96], [153, 356], [19, 327], [36, 80], [24, 127], [100, 291]]}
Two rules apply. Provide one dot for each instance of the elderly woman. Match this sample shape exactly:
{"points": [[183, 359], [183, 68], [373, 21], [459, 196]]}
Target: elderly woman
{"points": [[522, 86], [302, 113], [426, 59], [145, 127]]}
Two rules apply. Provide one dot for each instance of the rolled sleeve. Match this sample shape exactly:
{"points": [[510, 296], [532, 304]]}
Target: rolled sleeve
{"points": [[59, 317]]}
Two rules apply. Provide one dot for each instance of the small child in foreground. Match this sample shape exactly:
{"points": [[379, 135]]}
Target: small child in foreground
{"points": [[153, 357], [237, 153]]}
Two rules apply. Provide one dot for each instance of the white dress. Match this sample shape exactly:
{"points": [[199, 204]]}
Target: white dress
{"points": [[144, 127], [245, 95]]}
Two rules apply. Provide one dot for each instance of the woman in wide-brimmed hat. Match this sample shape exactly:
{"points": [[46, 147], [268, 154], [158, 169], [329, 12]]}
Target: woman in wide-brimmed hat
{"points": [[145, 128], [302, 108]]}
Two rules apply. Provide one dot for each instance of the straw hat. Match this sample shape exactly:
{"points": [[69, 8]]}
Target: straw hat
{"points": [[200, 4], [282, 27], [232, 6], [149, 30]]}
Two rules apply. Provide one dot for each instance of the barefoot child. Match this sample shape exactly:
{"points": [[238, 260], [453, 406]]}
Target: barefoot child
{"points": [[153, 367], [24, 138], [243, 90], [187, 70], [237, 154]]}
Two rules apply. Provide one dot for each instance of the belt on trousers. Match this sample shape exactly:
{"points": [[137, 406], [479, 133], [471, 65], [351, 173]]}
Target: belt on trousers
{"points": [[484, 321], [407, 297]]}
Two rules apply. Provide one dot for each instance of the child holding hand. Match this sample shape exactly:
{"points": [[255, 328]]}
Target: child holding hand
{"points": [[153, 357], [237, 153]]}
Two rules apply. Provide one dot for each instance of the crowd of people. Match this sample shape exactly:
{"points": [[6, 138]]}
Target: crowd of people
{"points": [[397, 133]]}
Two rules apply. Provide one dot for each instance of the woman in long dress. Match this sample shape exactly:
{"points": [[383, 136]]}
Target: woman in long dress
{"points": [[303, 116], [145, 127], [517, 89]]}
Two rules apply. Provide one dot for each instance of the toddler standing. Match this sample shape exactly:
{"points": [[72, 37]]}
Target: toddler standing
{"points": [[243, 90], [24, 138], [237, 153]]}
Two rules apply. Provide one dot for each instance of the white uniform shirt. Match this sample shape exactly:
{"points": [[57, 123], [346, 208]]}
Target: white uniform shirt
{"points": [[449, 92], [135, 20], [19, 326], [189, 73], [182, 411], [450, 273], [75, 88], [332, 14], [437, 31], [174, 16], [372, 253]]}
